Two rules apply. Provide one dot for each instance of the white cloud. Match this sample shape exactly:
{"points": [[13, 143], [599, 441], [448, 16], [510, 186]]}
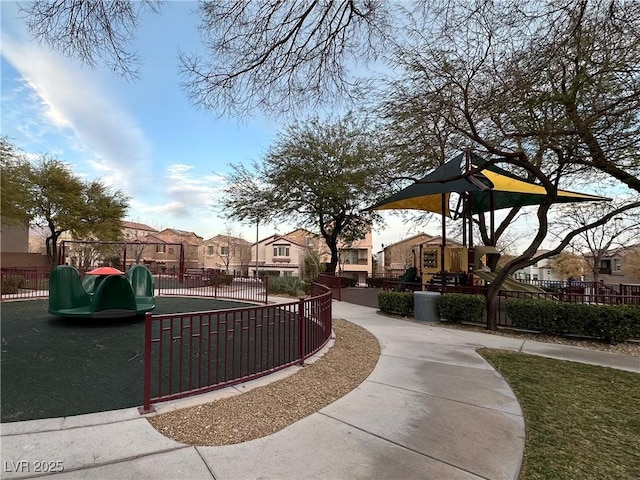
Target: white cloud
{"points": [[186, 186], [71, 98]]}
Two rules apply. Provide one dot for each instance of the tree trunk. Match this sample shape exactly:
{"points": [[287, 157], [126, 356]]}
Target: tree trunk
{"points": [[492, 294], [52, 249], [333, 263]]}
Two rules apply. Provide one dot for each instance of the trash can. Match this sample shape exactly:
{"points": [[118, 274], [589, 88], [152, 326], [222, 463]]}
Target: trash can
{"points": [[425, 306]]}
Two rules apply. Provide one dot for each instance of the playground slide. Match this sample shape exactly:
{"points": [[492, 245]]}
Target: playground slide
{"points": [[509, 283]]}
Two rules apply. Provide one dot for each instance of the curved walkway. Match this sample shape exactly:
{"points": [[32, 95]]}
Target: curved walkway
{"points": [[432, 408]]}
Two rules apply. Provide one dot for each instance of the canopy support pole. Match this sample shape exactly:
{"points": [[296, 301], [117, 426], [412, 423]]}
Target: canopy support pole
{"points": [[443, 200], [467, 169], [464, 196], [492, 222]]}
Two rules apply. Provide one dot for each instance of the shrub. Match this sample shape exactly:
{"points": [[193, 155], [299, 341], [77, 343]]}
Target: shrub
{"points": [[398, 303], [459, 307], [306, 287], [632, 316], [12, 283], [375, 282], [221, 279], [538, 315], [291, 286], [612, 324], [347, 282]]}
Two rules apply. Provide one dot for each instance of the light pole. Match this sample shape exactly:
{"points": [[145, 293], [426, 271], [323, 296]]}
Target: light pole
{"points": [[257, 239]]}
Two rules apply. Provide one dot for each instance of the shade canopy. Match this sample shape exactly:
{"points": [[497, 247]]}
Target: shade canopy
{"points": [[508, 189]]}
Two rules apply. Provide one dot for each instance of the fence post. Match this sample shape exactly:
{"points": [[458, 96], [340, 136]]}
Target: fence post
{"points": [[266, 289], [301, 331], [146, 395]]}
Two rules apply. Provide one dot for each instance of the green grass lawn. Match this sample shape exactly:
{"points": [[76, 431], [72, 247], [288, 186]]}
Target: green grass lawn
{"points": [[582, 421]]}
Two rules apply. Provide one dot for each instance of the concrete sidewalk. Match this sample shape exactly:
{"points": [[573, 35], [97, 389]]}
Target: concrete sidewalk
{"points": [[432, 408]]}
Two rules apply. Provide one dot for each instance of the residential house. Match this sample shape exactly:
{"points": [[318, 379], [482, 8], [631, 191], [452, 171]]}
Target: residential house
{"points": [[539, 271], [620, 265], [15, 238], [279, 255], [285, 255], [14, 248], [225, 253], [165, 255], [135, 234], [356, 259], [394, 259]]}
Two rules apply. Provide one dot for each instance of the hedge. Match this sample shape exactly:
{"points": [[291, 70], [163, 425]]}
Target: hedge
{"points": [[610, 323], [397, 303], [12, 283], [346, 282], [460, 307], [375, 282], [221, 279]]}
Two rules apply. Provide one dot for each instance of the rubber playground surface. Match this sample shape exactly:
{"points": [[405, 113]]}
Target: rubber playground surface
{"points": [[55, 367]]}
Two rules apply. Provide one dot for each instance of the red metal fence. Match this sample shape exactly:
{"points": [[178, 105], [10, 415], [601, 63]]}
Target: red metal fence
{"points": [[218, 285], [25, 283], [192, 353], [20, 283], [332, 282]]}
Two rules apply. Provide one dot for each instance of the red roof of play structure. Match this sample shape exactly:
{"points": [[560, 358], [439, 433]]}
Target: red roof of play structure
{"points": [[105, 271]]}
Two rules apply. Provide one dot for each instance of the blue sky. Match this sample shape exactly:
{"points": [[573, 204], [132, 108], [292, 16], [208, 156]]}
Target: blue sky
{"points": [[142, 136]]}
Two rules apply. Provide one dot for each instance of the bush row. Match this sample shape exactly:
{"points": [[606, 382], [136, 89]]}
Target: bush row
{"points": [[396, 303], [612, 324], [459, 307], [375, 282], [12, 283], [609, 323], [221, 279], [454, 307]]}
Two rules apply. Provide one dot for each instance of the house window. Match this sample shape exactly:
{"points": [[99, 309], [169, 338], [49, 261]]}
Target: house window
{"points": [[224, 250], [355, 257], [211, 250], [170, 249], [281, 251], [617, 264], [160, 248]]}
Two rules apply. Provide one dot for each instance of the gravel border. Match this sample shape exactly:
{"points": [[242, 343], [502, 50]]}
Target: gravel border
{"points": [[270, 408]]}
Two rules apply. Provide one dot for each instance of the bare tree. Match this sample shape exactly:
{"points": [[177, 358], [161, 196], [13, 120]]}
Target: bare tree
{"points": [[546, 90], [598, 242], [258, 54], [279, 56], [243, 250], [90, 30]]}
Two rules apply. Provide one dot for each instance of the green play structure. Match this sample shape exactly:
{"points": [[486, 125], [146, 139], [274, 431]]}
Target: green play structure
{"points": [[103, 293]]}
